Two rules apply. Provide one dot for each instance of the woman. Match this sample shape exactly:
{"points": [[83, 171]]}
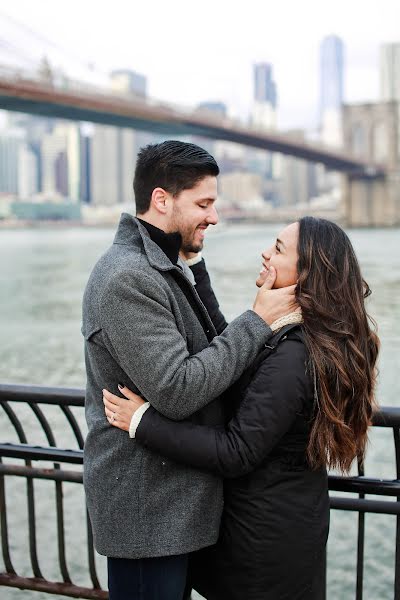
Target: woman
{"points": [[305, 406]]}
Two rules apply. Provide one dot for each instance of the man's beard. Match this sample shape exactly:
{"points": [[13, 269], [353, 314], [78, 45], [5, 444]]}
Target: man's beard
{"points": [[187, 233], [188, 243]]}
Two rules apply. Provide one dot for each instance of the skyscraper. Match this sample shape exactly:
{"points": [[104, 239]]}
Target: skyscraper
{"points": [[9, 149], [104, 169], [264, 85], [331, 89], [331, 74], [211, 109], [390, 72], [60, 152], [28, 181], [85, 191], [263, 117]]}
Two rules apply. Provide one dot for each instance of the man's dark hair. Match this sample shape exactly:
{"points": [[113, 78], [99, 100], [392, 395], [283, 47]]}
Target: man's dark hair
{"points": [[172, 165]]}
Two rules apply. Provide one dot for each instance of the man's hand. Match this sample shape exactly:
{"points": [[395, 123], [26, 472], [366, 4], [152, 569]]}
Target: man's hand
{"points": [[271, 304]]}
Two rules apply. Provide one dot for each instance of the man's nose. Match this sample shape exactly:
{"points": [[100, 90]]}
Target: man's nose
{"points": [[212, 217]]}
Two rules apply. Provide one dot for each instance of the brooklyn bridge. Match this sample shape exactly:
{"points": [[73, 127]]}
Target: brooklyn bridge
{"points": [[369, 161]]}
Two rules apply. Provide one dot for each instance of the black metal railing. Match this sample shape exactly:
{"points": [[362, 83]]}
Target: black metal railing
{"points": [[388, 417], [36, 397], [64, 399]]}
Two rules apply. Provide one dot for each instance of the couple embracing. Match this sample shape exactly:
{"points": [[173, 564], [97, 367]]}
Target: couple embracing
{"points": [[208, 443]]}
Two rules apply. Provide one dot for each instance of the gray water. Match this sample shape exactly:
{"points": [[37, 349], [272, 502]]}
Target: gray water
{"points": [[42, 276]]}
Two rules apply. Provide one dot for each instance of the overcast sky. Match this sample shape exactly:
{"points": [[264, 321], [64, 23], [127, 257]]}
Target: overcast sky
{"points": [[192, 51]]}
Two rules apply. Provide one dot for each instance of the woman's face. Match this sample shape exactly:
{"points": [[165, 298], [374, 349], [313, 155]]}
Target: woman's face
{"points": [[283, 257]]}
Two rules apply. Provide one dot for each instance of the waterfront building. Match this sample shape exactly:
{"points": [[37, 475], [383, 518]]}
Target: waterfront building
{"points": [[60, 152], [213, 110], [85, 150], [125, 81], [61, 174], [331, 89], [264, 117], [9, 150], [129, 141], [331, 97], [28, 181], [242, 190], [331, 73], [33, 128], [112, 165], [73, 155], [298, 177], [390, 72], [104, 169], [264, 85], [297, 185], [126, 146], [229, 156], [263, 114], [52, 146]]}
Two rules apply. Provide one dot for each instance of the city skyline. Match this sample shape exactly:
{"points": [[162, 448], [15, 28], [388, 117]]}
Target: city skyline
{"points": [[208, 55]]}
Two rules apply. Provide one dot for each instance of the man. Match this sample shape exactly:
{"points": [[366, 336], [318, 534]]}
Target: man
{"points": [[145, 325]]}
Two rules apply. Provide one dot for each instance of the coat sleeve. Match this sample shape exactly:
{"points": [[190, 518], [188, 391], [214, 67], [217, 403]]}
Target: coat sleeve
{"points": [[273, 399], [207, 296], [140, 330]]}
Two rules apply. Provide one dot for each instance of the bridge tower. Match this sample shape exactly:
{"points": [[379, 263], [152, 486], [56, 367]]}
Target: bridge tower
{"points": [[372, 132]]}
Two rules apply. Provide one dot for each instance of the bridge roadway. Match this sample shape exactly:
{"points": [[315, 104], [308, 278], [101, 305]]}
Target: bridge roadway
{"points": [[40, 98]]}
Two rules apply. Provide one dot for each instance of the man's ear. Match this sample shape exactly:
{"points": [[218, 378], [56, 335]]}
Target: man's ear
{"points": [[160, 200]]}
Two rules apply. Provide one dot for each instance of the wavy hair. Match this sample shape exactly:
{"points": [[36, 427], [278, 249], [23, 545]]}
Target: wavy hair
{"points": [[341, 340]]}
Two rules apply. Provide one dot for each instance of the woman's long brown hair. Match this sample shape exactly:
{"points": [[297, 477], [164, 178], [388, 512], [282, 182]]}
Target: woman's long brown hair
{"points": [[343, 346]]}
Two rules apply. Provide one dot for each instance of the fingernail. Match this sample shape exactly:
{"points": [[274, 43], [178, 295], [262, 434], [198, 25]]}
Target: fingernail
{"points": [[121, 385]]}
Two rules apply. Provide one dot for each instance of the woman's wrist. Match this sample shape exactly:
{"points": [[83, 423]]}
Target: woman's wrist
{"points": [[193, 260], [136, 418]]}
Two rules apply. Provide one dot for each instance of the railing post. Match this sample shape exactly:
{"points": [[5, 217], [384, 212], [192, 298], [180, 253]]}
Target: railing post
{"points": [[360, 543], [396, 438]]}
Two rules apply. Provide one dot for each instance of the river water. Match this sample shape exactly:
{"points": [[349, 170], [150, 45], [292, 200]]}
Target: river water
{"points": [[43, 272]]}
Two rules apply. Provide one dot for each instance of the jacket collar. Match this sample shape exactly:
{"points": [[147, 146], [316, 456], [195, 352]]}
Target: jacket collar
{"points": [[130, 230], [170, 243]]}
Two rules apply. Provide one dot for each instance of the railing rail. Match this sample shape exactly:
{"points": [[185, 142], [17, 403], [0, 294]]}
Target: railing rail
{"points": [[37, 397]]}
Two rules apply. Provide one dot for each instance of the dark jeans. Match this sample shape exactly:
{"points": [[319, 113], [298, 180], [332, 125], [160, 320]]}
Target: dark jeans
{"points": [[162, 578]]}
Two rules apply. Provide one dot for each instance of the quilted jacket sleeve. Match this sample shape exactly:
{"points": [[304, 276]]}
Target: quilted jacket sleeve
{"points": [[274, 397]]}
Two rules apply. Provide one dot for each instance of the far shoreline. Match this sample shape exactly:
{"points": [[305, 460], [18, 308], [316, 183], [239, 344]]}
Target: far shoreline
{"points": [[61, 224]]}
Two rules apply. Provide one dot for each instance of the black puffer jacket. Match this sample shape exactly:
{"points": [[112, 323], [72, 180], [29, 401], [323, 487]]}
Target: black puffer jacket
{"points": [[276, 511]]}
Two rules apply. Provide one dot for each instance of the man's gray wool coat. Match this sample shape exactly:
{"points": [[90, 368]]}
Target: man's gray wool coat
{"points": [[140, 328]]}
